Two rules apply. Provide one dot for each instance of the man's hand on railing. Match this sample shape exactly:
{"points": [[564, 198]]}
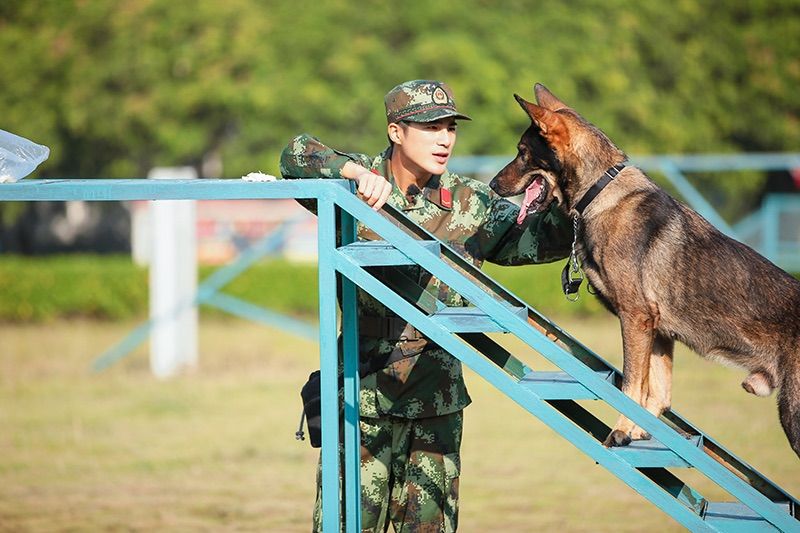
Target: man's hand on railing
{"points": [[372, 187]]}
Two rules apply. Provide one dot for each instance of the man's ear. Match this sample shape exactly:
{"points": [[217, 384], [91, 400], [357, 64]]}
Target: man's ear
{"points": [[394, 131]]}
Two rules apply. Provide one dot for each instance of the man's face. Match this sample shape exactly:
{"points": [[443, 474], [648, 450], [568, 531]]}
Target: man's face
{"points": [[426, 145]]}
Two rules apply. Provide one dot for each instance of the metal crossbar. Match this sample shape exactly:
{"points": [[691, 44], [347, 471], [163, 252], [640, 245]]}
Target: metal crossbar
{"points": [[552, 397]]}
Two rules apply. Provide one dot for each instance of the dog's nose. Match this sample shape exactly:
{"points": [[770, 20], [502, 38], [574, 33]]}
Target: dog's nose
{"points": [[494, 184]]}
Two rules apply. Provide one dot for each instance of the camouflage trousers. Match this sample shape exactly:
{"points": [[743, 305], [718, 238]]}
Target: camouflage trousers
{"points": [[409, 474]]}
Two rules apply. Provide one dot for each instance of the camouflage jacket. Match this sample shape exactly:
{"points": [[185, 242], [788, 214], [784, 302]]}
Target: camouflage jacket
{"points": [[475, 222]]}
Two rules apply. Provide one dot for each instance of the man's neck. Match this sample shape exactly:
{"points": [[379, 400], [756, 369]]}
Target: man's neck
{"points": [[406, 176]]}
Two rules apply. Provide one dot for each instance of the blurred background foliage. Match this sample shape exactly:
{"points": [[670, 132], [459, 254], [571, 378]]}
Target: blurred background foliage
{"points": [[115, 88], [110, 287]]}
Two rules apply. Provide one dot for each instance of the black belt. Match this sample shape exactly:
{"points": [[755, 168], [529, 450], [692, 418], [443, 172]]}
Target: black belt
{"points": [[413, 342]]}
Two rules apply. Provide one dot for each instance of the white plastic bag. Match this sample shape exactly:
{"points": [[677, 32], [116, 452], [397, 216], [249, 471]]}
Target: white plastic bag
{"points": [[259, 176], [19, 156]]}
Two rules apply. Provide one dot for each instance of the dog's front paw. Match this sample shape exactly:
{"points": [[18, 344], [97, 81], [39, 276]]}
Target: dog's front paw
{"points": [[617, 438]]}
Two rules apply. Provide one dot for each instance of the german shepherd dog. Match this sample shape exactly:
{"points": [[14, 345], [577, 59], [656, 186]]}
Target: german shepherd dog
{"points": [[660, 267]]}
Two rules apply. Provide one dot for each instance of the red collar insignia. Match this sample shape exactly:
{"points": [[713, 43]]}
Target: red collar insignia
{"points": [[446, 197]]}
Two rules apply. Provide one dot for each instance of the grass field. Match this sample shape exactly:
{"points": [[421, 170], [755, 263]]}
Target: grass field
{"points": [[215, 450]]}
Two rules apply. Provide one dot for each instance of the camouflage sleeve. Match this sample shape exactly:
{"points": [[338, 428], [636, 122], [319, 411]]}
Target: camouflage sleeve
{"points": [[306, 157], [541, 238]]}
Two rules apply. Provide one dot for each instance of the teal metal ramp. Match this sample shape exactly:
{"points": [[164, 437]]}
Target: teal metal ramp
{"points": [[552, 396], [653, 468]]}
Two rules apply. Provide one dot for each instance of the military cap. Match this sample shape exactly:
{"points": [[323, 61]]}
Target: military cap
{"points": [[421, 101]]}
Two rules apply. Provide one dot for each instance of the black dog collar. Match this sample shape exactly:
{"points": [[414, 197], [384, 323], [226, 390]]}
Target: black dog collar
{"points": [[599, 185]]}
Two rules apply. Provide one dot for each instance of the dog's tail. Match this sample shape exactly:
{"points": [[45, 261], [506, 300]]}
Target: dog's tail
{"points": [[789, 405]]}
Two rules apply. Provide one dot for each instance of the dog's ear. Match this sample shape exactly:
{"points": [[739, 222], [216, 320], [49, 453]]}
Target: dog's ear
{"points": [[547, 99], [542, 118]]}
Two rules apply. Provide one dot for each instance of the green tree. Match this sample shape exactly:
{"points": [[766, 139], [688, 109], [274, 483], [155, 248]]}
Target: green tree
{"points": [[115, 88]]}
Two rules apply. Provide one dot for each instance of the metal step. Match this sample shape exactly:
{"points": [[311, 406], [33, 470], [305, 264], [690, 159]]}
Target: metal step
{"points": [[471, 319], [738, 518], [550, 385], [381, 253], [652, 454]]}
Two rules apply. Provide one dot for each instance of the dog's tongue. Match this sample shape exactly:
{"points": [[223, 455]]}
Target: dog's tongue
{"points": [[531, 193]]}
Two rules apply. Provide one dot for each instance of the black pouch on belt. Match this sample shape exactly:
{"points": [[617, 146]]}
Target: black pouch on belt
{"points": [[312, 410], [413, 344]]}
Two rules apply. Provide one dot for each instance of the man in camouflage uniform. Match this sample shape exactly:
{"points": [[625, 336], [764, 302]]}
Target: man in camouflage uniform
{"points": [[412, 392]]}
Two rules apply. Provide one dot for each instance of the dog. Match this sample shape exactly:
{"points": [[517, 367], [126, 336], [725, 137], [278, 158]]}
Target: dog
{"points": [[665, 271]]}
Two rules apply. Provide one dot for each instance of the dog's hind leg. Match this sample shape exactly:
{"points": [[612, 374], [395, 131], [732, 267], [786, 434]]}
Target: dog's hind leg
{"points": [[638, 335], [789, 405]]}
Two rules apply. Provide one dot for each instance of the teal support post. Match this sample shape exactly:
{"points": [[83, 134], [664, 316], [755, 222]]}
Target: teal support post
{"points": [[352, 441], [329, 355]]}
